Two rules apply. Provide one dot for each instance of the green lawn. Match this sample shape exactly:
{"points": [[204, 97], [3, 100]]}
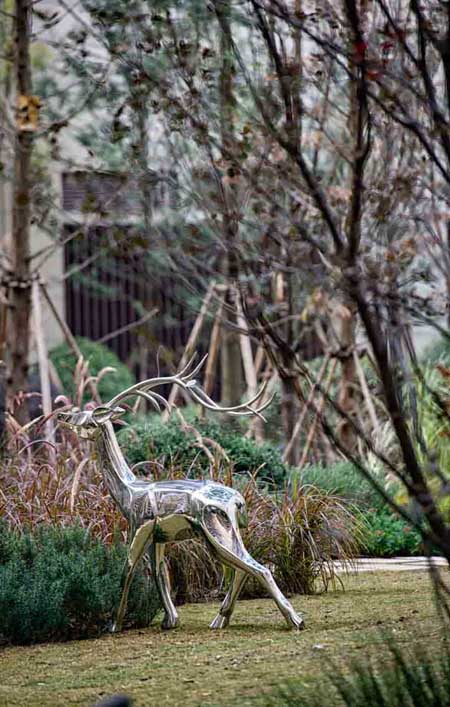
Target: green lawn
{"points": [[196, 666]]}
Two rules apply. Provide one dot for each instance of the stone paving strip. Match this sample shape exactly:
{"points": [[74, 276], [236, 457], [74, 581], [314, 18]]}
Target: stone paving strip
{"points": [[394, 564]]}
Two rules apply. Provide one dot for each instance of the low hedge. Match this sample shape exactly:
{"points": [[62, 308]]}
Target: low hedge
{"points": [[61, 583], [151, 438]]}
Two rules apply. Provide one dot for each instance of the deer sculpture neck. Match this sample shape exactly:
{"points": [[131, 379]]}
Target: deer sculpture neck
{"points": [[116, 472]]}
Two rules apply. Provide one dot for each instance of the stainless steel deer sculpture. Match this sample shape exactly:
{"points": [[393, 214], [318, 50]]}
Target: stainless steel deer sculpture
{"points": [[173, 511]]}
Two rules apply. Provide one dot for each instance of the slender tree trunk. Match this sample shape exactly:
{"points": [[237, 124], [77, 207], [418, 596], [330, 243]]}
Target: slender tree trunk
{"points": [[349, 397], [289, 403], [20, 287], [447, 273], [2, 406], [289, 415], [142, 157], [230, 359], [5, 91]]}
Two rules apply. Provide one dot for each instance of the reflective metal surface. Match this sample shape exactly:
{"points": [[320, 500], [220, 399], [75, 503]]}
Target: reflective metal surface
{"points": [[173, 511]]}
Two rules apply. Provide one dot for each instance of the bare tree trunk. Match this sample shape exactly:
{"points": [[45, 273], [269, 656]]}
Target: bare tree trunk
{"points": [[20, 286], [231, 365], [142, 157], [289, 403], [2, 406], [289, 414], [448, 274], [349, 397]]}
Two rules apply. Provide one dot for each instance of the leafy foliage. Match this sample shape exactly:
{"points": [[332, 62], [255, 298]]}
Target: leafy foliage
{"points": [[61, 583], [99, 357], [434, 407], [172, 446], [387, 535]]}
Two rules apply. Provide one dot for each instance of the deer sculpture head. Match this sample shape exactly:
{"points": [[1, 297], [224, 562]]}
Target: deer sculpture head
{"points": [[87, 423]]}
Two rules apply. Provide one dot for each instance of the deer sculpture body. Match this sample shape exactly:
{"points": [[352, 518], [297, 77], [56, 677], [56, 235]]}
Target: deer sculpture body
{"points": [[173, 511]]}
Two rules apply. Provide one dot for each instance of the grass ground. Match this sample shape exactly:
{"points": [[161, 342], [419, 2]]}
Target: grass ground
{"points": [[195, 666]]}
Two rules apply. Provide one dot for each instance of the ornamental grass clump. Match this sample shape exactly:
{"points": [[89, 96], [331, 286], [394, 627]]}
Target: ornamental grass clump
{"points": [[68, 488], [299, 533]]}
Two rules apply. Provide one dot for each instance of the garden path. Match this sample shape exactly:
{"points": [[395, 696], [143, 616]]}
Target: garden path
{"points": [[392, 564]]}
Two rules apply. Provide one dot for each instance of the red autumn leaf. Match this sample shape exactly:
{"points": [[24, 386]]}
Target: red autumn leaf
{"points": [[359, 51]]}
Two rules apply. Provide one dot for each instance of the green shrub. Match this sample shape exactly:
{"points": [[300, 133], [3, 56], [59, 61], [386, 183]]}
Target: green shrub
{"points": [[60, 583], [169, 443], [342, 479], [99, 356], [387, 535]]}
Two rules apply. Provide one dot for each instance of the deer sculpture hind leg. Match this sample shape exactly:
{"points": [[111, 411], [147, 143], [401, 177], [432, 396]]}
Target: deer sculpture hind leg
{"points": [[161, 574], [223, 535], [138, 547], [237, 583]]}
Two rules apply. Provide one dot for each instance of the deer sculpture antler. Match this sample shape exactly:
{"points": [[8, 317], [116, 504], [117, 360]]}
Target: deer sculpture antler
{"points": [[186, 380]]}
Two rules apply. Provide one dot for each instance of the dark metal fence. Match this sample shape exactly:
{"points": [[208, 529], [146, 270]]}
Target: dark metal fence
{"points": [[106, 291]]}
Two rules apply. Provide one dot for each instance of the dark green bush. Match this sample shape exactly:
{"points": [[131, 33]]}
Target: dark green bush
{"points": [[387, 535], [60, 583], [167, 442], [99, 356]]}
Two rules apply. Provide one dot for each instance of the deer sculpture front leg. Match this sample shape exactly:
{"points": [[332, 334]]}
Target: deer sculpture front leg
{"points": [[144, 547], [138, 547], [222, 533]]}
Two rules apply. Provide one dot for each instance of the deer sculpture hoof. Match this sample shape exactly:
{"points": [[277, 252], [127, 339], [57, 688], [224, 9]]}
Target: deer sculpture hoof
{"points": [[169, 623], [295, 622], [220, 622]]}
